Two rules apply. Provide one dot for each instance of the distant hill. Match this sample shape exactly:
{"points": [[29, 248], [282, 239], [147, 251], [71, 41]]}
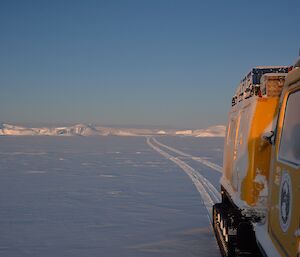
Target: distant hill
{"points": [[95, 130]]}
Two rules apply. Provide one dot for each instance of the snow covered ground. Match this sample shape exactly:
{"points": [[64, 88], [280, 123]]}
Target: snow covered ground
{"points": [[95, 130], [108, 196]]}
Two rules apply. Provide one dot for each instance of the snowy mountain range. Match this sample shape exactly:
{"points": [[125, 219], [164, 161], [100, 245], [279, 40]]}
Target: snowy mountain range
{"points": [[95, 130]]}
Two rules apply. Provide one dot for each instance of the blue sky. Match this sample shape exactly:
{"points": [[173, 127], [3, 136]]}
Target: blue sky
{"points": [[148, 63]]}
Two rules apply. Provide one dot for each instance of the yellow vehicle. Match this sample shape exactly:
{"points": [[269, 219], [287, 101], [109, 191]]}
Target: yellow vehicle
{"points": [[260, 210]]}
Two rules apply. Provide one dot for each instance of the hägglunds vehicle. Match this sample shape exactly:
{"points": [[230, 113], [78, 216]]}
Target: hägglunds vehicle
{"points": [[259, 214]]}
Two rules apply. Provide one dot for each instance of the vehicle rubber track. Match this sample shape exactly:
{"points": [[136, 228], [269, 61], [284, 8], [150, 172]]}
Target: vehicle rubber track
{"points": [[234, 233]]}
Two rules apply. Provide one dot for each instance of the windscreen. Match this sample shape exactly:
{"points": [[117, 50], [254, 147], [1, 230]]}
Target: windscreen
{"points": [[290, 138]]}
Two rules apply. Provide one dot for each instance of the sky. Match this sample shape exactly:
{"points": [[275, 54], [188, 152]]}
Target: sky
{"points": [[136, 62]]}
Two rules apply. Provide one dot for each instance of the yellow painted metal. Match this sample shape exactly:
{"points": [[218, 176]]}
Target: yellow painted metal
{"points": [[259, 151], [287, 242], [246, 154]]}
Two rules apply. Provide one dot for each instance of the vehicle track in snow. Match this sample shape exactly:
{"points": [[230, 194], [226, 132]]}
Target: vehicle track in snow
{"points": [[202, 160], [208, 192]]}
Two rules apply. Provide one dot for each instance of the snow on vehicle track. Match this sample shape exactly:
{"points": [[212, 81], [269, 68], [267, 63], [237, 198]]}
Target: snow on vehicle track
{"points": [[202, 160], [210, 195]]}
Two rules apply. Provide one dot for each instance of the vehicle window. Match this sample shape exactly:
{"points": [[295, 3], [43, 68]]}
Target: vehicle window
{"points": [[290, 138]]}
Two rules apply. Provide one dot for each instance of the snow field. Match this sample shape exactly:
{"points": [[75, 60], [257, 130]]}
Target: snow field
{"points": [[209, 194]]}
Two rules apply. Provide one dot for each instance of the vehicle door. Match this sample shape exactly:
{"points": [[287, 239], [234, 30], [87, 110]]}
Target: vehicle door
{"points": [[284, 214]]}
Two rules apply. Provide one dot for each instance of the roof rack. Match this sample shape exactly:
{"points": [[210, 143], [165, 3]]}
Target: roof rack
{"points": [[250, 84]]}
